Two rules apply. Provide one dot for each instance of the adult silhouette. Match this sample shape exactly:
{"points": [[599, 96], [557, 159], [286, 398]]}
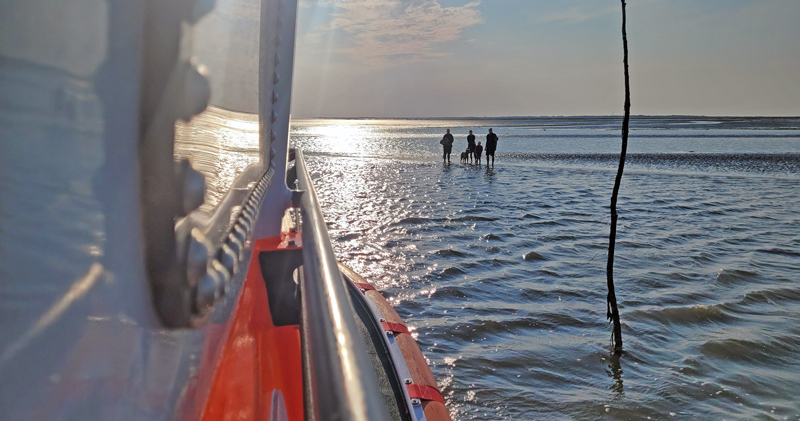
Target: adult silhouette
{"points": [[447, 144], [491, 146]]}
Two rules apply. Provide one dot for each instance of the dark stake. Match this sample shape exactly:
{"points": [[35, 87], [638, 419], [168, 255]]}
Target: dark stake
{"points": [[612, 310]]}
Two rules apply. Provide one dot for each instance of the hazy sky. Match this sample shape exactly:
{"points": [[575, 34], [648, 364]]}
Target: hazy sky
{"points": [[429, 58]]}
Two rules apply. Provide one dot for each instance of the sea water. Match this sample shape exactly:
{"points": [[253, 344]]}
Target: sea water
{"points": [[500, 270]]}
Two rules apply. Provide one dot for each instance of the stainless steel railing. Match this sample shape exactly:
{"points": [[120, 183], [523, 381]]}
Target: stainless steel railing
{"points": [[339, 379]]}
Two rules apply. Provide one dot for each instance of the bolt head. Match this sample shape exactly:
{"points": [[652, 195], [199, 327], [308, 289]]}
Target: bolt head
{"points": [[207, 292], [234, 244], [196, 91], [197, 256], [229, 258], [194, 189], [241, 231]]}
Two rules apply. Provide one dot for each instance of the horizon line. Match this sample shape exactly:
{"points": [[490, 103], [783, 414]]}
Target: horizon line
{"points": [[549, 116]]}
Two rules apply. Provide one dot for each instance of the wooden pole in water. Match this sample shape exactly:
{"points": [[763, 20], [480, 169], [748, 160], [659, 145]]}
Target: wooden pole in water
{"points": [[612, 311]]}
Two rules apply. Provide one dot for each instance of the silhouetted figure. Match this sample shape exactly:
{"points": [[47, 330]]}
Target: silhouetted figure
{"points": [[491, 146], [471, 145], [478, 152], [447, 144]]}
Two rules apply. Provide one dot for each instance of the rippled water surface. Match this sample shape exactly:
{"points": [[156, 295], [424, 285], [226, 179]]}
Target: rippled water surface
{"points": [[501, 270]]}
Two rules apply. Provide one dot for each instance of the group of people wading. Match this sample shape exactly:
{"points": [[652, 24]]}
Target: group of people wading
{"points": [[473, 152]]}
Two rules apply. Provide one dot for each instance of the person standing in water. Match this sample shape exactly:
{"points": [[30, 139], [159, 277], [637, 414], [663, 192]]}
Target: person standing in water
{"points": [[478, 152], [447, 144], [471, 145], [491, 146]]}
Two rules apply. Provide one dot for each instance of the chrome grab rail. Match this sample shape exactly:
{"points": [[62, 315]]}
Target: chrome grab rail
{"points": [[339, 379]]}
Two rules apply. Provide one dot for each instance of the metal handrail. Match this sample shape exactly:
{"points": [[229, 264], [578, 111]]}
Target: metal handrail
{"points": [[339, 379]]}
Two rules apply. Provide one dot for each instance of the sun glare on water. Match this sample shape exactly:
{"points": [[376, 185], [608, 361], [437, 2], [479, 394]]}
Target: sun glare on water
{"points": [[343, 138], [220, 144]]}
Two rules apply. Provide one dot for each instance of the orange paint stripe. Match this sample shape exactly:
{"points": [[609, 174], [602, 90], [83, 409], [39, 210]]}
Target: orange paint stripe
{"points": [[365, 287], [395, 327], [425, 393]]}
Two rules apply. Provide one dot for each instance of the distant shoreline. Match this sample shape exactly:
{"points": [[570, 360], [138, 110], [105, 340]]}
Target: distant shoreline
{"points": [[610, 117]]}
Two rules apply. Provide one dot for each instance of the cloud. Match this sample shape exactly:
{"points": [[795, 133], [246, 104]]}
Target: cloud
{"points": [[388, 32], [573, 15]]}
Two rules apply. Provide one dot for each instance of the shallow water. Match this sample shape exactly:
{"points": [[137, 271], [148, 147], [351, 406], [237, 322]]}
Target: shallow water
{"points": [[501, 271]]}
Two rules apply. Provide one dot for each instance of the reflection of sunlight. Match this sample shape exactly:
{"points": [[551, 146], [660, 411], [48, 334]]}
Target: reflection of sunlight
{"points": [[220, 144], [359, 212], [369, 138], [244, 125], [344, 137]]}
